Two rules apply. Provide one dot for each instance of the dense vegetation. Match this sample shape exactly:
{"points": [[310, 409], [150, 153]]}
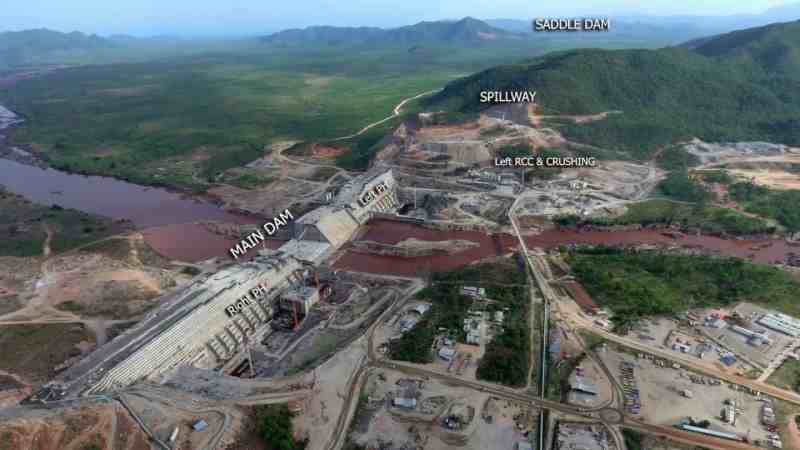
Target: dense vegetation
{"points": [[783, 206], [664, 96], [775, 48], [448, 310], [180, 121], [787, 376], [507, 356], [635, 285], [677, 158], [708, 219], [680, 186], [633, 439], [363, 147], [274, 424], [514, 151]]}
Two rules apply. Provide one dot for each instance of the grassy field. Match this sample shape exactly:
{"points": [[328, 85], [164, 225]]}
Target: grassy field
{"points": [[181, 121], [787, 376], [33, 350]]}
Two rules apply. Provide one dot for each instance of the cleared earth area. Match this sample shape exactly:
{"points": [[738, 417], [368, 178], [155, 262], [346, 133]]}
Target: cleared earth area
{"points": [[97, 426], [664, 399], [441, 417]]}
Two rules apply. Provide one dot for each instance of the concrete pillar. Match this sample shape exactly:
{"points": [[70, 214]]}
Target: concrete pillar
{"points": [[243, 315], [233, 337], [214, 351], [238, 325], [224, 344]]}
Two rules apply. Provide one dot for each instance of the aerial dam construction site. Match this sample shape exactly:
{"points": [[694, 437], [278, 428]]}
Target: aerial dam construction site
{"points": [[209, 322], [438, 299]]}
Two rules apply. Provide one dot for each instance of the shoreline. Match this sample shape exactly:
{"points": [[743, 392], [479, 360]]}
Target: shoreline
{"points": [[25, 155]]}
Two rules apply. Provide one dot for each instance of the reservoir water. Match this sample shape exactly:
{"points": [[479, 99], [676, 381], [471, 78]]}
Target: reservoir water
{"points": [[143, 206]]}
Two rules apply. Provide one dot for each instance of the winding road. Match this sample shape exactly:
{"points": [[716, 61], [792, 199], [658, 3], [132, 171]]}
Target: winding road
{"points": [[396, 112]]}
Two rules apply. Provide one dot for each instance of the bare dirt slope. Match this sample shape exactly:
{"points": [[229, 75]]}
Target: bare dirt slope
{"points": [[90, 427]]}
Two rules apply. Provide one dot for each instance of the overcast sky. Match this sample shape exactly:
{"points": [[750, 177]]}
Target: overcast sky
{"points": [[238, 17]]}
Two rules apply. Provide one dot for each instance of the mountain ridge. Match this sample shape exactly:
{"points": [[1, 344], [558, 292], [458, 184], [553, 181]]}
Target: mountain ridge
{"points": [[17, 47], [465, 31], [774, 48], [665, 95]]}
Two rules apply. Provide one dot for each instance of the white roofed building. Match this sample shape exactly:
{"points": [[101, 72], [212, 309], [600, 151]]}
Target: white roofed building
{"points": [[781, 322]]}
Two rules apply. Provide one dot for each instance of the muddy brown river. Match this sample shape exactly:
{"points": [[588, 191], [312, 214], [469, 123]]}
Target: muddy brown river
{"points": [[143, 206], [766, 251]]}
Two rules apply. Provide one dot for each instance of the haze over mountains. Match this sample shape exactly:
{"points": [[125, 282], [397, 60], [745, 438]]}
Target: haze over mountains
{"points": [[43, 46], [16, 47], [464, 31], [681, 23]]}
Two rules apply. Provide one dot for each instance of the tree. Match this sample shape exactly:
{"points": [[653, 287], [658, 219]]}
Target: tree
{"points": [[275, 426]]}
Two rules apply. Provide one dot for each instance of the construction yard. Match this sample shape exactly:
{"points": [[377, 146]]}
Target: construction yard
{"points": [[731, 339], [354, 305], [410, 413], [277, 181], [668, 394]]}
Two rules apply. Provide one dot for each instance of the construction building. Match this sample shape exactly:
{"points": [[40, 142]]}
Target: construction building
{"points": [[580, 435], [372, 193], [217, 317], [322, 231], [209, 322], [782, 323], [753, 337], [300, 299], [714, 433]]}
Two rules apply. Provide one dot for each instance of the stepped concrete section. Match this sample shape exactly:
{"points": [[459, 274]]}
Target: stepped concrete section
{"points": [[210, 333], [194, 326], [209, 322], [355, 203], [351, 195], [329, 224]]}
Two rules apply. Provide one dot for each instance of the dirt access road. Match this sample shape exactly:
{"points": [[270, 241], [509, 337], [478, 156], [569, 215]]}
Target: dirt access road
{"points": [[395, 113]]}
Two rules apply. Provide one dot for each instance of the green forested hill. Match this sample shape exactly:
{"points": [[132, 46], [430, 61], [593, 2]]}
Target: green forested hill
{"points": [[664, 96], [774, 48]]}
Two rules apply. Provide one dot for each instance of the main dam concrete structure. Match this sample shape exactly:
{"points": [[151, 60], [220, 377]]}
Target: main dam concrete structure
{"points": [[210, 321], [324, 230]]}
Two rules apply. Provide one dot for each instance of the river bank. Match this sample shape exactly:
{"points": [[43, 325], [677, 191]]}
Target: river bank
{"points": [[170, 221], [765, 251], [26, 174]]}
